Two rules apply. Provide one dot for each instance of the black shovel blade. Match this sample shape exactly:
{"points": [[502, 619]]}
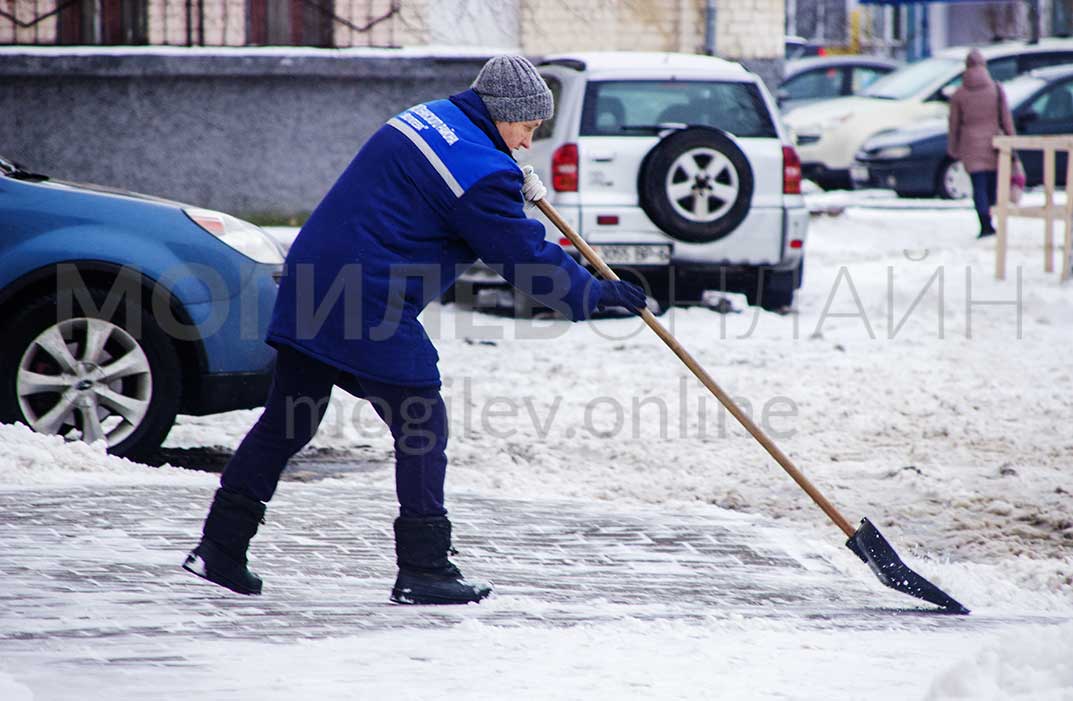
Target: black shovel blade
{"points": [[870, 545]]}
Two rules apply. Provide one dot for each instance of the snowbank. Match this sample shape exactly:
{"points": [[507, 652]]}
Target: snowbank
{"points": [[33, 459], [753, 658], [11, 690], [1032, 664]]}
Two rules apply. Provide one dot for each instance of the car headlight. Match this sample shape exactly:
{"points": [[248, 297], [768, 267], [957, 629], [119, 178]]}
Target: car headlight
{"points": [[244, 237], [893, 152]]}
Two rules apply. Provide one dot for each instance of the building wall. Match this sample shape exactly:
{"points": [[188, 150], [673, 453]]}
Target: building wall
{"points": [[249, 133], [488, 23], [750, 31], [42, 30], [553, 26], [745, 29]]}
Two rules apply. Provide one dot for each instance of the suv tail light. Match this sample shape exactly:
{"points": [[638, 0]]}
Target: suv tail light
{"points": [[791, 171], [564, 168]]}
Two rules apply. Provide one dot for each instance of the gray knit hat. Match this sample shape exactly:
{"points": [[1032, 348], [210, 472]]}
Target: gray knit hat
{"points": [[512, 90]]}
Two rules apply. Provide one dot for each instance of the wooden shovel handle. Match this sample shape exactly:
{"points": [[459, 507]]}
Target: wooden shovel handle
{"points": [[702, 375]]}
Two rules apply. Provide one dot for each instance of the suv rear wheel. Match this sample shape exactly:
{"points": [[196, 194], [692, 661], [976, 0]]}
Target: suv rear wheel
{"points": [[696, 185]]}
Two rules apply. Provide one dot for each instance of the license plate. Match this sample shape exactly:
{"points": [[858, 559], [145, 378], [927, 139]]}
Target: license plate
{"points": [[633, 254], [859, 173]]}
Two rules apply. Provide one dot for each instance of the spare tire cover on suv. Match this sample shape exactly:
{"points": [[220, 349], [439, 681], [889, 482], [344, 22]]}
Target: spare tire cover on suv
{"points": [[696, 185]]}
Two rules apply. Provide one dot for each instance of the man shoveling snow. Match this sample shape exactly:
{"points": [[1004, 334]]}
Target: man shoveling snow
{"points": [[432, 190]]}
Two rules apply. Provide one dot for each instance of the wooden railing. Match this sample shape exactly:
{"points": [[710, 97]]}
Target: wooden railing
{"points": [[1049, 212]]}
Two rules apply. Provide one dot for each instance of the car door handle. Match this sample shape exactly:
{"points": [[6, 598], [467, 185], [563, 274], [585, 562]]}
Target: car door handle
{"points": [[603, 157]]}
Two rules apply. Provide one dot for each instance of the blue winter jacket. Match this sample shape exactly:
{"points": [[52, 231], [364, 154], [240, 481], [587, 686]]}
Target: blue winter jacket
{"points": [[430, 192]]}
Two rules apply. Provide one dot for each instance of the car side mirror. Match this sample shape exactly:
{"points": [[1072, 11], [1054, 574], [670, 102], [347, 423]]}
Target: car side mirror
{"points": [[782, 95], [1027, 117], [946, 93]]}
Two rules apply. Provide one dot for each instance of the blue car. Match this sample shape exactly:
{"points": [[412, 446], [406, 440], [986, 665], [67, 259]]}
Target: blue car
{"points": [[912, 160], [124, 310]]}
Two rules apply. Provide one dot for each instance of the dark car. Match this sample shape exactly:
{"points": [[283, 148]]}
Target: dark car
{"points": [[800, 47], [913, 162], [121, 310], [822, 78]]}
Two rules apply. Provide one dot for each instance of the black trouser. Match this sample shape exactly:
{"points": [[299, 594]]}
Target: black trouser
{"points": [[984, 183], [297, 401]]}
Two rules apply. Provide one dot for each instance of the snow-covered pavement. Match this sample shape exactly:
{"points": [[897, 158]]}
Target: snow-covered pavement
{"points": [[911, 387], [594, 601]]}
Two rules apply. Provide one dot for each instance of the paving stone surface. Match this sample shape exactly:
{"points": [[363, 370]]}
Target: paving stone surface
{"points": [[91, 575]]}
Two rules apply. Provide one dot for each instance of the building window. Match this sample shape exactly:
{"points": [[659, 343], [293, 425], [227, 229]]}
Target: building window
{"points": [[110, 22], [290, 22], [200, 22]]}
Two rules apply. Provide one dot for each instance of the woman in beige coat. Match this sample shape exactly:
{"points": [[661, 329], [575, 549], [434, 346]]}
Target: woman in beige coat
{"points": [[978, 113]]}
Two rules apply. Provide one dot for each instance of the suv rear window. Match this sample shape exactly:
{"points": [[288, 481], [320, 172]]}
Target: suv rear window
{"points": [[633, 107], [544, 131]]}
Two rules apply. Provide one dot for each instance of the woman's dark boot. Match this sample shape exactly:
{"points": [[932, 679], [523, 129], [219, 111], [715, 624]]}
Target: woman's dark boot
{"points": [[221, 556], [426, 576]]}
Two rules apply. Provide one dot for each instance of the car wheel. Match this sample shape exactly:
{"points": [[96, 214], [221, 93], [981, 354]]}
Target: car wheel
{"points": [[85, 376], [696, 185], [953, 182]]}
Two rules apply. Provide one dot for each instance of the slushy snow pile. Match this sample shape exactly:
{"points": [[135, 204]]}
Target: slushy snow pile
{"points": [[1033, 664], [30, 459], [11, 690]]}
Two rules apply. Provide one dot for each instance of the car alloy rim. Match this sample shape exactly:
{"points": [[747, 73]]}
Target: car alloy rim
{"points": [[86, 379], [702, 185], [957, 182]]}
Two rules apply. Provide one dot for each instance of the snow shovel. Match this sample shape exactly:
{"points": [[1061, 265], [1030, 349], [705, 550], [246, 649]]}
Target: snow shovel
{"points": [[866, 542]]}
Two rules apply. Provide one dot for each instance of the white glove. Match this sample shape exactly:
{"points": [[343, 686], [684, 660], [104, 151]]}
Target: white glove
{"points": [[532, 189]]}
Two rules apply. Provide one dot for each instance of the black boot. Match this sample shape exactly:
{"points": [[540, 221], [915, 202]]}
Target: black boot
{"points": [[221, 556], [426, 576]]}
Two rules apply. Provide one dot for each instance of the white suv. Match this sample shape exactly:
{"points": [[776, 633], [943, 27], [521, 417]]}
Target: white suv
{"points": [[675, 167]]}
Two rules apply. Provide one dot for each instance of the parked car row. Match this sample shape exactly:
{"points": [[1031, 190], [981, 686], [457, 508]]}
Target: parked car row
{"points": [[913, 161], [830, 134]]}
